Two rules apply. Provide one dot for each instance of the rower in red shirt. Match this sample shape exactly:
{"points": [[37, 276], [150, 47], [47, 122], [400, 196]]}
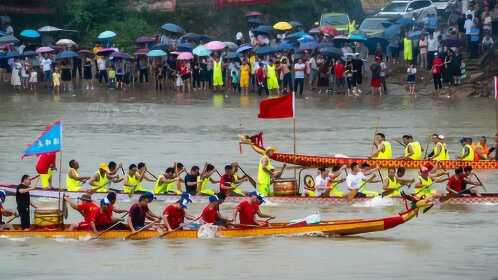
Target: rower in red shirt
{"points": [[227, 180], [457, 184], [88, 209], [211, 213], [174, 214], [249, 208], [5, 212]]}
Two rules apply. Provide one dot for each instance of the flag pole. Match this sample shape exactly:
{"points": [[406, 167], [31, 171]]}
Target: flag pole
{"points": [[294, 126]]}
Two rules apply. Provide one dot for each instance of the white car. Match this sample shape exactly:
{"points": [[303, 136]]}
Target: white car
{"points": [[406, 8]]}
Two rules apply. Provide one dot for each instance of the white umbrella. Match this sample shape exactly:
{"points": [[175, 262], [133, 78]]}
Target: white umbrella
{"points": [[65, 42], [49, 28]]}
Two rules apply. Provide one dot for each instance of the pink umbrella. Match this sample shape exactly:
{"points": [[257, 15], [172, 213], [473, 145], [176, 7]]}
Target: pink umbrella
{"points": [[142, 51], [44, 50], [215, 45], [185, 56], [254, 14]]}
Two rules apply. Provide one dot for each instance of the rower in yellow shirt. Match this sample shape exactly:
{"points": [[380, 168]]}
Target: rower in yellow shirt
{"points": [[143, 174], [394, 182], [131, 180], [383, 149], [237, 180], [467, 153], [426, 179], [413, 150], [204, 179], [168, 183], [73, 179], [104, 176], [265, 173]]}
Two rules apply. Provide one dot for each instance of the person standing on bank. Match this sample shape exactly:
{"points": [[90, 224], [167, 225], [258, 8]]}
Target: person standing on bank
{"points": [[23, 201]]}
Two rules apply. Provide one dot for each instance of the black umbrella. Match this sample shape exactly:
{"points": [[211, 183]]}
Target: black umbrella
{"points": [[173, 28], [330, 51], [8, 39], [263, 29], [66, 55]]}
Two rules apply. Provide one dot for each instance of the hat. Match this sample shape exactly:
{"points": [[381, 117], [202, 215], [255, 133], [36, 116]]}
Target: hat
{"points": [[148, 195], [86, 197], [2, 195], [184, 200], [104, 167], [441, 136], [213, 198], [260, 198], [105, 201]]}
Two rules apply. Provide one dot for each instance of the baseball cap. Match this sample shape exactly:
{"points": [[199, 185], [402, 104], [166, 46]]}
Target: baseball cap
{"points": [[184, 200], [105, 201], [104, 167], [2, 195], [148, 195], [213, 198], [441, 136], [260, 198]]}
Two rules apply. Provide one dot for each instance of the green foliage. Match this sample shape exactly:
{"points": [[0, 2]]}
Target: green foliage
{"points": [[84, 15]]}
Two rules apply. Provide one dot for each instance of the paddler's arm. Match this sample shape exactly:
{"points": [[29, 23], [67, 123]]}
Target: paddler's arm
{"points": [[213, 181], [151, 216], [466, 152], [94, 227], [119, 211], [71, 203], [370, 171], [130, 224], [385, 186], [166, 223], [435, 153], [378, 149], [93, 180], [147, 178], [410, 152], [405, 182], [262, 215]]}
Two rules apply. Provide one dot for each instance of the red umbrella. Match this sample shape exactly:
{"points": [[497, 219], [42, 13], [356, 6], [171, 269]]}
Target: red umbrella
{"points": [[253, 14], [329, 30]]}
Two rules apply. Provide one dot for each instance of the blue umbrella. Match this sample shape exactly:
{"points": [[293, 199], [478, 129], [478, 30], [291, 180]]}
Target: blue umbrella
{"points": [[306, 39], [330, 51], [11, 54], [30, 33], [185, 47], [120, 55], [190, 36], [205, 38], [414, 35], [263, 29], [244, 48], [159, 47], [284, 46], [232, 55], [2, 33], [29, 54], [392, 31], [106, 35], [264, 50], [156, 53], [173, 28], [308, 45], [357, 37], [201, 51], [405, 21], [66, 55], [296, 35]]}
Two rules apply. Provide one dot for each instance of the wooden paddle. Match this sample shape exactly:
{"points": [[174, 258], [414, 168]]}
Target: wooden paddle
{"points": [[11, 219], [375, 133], [388, 192], [251, 180], [148, 172], [427, 146], [479, 180], [141, 229], [109, 228], [176, 229]]}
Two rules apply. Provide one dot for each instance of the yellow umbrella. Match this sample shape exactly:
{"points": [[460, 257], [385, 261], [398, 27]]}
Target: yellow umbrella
{"points": [[283, 25]]}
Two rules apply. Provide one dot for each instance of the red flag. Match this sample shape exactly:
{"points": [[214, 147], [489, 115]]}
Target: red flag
{"points": [[496, 87], [277, 108]]}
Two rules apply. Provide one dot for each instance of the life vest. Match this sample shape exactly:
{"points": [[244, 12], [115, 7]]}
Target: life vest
{"points": [[140, 187], [204, 183], [387, 153], [101, 185], [443, 155], [264, 178], [392, 184], [159, 187], [416, 149], [425, 188], [365, 191], [173, 188], [236, 189], [334, 190], [132, 181], [71, 184], [470, 156]]}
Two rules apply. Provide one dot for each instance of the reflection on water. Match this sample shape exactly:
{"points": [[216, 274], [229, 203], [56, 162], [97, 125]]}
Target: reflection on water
{"points": [[449, 242]]}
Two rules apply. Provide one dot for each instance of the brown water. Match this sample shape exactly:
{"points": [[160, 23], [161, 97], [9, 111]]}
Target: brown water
{"points": [[449, 242]]}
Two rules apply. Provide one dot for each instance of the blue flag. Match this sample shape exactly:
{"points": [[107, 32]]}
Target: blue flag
{"points": [[50, 140]]}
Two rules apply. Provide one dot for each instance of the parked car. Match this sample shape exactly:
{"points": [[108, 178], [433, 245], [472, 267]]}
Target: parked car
{"points": [[339, 21], [406, 8], [376, 25]]}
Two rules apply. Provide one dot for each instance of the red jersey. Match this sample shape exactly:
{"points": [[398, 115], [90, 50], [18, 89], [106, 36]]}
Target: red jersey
{"points": [[209, 214], [260, 75], [88, 210], [1, 214], [176, 215], [104, 217], [247, 212], [437, 64], [224, 181], [339, 71], [455, 183], [44, 162]]}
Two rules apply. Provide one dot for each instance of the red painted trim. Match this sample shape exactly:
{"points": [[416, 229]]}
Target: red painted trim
{"points": [[393, 221]]}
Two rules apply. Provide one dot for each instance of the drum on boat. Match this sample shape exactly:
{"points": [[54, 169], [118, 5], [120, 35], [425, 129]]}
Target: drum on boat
{"points": [[48, 218], [285, 187]]}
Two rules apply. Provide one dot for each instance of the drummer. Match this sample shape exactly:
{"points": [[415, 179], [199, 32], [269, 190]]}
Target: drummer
{"points": [[5, 213]]}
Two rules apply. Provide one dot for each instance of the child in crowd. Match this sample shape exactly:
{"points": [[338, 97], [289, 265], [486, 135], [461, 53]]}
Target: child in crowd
{"points": [[235, 80], [25, 74], [56, 80], [111, 74], [120, 76], [411, 78], [33, 79]]}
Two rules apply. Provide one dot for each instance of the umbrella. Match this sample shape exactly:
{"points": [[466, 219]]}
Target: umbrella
{"points": [[173, 28], [329, 30], [392, 31], [204, 38], [315, 30], [185, 47], [66, 55], [29, 53], [8, 39], [44, 50], [308, 45], [30, 33], [144, 40], [85, 52], [244, 48], [2, 33], [190, 36], [215, 45], [330, 51], [414, 35], [142, 51], [106, 52], [185, 56], [296, 35], [156, 53], [405, 21], [296, 23], [106, 35], [253, 14], [49, 29], [201, 51], [357, 37], [120, 55], [255, 21], [231, 55], [231, 46], [306, 39], [263, 29], [11, 54], [264, 50], [285, 46], [160, 47], [65, 42], [282, 26]]}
